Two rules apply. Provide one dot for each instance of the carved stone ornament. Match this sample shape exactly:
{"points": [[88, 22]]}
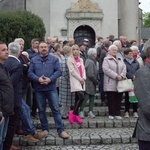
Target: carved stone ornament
{"points": [[85, 5]]}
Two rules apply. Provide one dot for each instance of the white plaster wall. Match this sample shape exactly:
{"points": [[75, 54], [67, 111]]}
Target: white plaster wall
{"points": [[57, 14], [129, 23], [42, 9], [110, 19]]}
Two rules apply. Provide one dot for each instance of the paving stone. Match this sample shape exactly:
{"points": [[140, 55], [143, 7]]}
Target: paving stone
{"points": [[118, 123], [50, 140], [100, 124], [76, 140], [116, 138], [109, 124], [92, 123], [126, 122], [95, 139], [125, 138], [106, 139], [68, 141], [90, 147], [85, 140], [59, 141]]}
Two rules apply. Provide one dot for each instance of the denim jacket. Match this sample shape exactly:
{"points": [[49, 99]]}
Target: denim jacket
{"points": [[49, 67]]}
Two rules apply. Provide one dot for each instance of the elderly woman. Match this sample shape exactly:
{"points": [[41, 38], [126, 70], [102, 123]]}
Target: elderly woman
{"points": [[136, 55], [90, 82], [77, 82], [66, 98], [132, 66], [114, 71]]}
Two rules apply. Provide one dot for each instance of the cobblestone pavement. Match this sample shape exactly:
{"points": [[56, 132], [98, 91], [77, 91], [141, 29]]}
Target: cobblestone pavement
{"points": [[90, 147]]}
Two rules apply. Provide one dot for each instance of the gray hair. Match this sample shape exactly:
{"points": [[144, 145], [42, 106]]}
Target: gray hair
{"points": [[14, 48], [91, 51], [116, 42], [134, 48], [112, 47], [19, 39]]}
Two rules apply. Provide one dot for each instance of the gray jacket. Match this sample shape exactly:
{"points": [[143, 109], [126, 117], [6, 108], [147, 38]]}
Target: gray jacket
{"points": [[142, 92], [91, 74]]}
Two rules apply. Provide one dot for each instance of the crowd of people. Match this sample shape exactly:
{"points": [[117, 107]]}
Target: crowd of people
{"points": [[63, 75]]}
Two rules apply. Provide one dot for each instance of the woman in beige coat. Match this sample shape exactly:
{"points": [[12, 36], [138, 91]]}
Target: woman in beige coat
{"points": [[77, 82], [114, 71]]}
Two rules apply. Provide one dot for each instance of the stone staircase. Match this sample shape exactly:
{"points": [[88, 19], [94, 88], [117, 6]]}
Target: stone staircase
{"points": [[99, 131]]}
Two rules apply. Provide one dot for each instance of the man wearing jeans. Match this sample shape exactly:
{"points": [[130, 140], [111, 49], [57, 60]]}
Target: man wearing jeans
{"points": [[6, 95], [44, 70]]}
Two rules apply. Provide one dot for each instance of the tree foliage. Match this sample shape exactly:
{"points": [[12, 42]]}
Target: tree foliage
{"points": [[21, 24], [146, 20]]}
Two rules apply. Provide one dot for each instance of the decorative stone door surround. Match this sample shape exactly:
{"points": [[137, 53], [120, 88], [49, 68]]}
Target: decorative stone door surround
{"points": [[84, 12]]}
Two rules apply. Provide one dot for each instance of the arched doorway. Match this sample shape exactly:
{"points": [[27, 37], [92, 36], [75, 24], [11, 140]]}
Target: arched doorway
{"points": [[83, 32]]}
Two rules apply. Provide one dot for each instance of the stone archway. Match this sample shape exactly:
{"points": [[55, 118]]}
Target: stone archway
{"points": [[83, 32], [82, 13]]}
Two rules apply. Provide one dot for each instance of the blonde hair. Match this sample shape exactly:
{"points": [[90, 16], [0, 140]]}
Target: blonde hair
{"points": [[66, 49], [75, 47]]}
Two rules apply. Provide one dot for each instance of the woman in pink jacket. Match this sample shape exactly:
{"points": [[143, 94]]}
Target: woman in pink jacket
{"points": [[77, 82], [114, 71]]}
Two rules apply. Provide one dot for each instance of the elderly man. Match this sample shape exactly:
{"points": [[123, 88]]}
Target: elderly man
{"points": [[6, 94], [71, 42], [44, 71], [33, 51], [26, 86], [14, 67], [119, 46]]}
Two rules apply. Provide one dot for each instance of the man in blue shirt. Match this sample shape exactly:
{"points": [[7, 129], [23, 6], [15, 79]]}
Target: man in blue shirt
{"points": [[44, 70]]}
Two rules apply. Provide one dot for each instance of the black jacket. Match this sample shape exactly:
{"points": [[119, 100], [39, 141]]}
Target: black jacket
{"points": [[15, 69], [131, 68], [6, 92]]}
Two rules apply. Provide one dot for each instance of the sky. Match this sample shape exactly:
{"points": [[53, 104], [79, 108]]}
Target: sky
{"points": [[145, 5]]}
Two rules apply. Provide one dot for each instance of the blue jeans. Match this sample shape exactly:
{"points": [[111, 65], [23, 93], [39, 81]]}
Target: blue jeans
{"points": [[24, 114], [52, 97], [3, 131]]}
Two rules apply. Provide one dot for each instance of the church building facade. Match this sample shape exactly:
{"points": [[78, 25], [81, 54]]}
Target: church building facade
{"points": [[87, 18]]}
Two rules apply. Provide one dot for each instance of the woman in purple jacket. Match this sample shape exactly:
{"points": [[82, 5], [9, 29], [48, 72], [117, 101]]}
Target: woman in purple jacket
{"points": [[114, 71]]}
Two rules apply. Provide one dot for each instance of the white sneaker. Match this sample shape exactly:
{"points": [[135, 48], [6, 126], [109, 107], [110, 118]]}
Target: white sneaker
{"points": [[135, 115], [126, 115], [91, 115], [111, 117], [118, 117], [81, 114]]}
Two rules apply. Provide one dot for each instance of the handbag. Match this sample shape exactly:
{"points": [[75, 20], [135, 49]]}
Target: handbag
{"points": [[125, 85]]}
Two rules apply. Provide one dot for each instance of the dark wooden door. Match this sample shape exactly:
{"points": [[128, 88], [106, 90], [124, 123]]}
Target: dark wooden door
{"points": [[84, 32]]}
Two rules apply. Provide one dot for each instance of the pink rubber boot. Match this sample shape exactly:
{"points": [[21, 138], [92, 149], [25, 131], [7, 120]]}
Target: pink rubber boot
{"points": [[78, 119], [71, 117]]}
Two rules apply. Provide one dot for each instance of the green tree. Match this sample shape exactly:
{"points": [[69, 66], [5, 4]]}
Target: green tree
{"points": [[146, 20], [21, 24]]}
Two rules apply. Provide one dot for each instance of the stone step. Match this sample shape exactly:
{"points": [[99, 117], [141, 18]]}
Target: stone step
{"points": [[98, 102], [84, 137], [97, 110], [98, 122], [132, 146]]}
